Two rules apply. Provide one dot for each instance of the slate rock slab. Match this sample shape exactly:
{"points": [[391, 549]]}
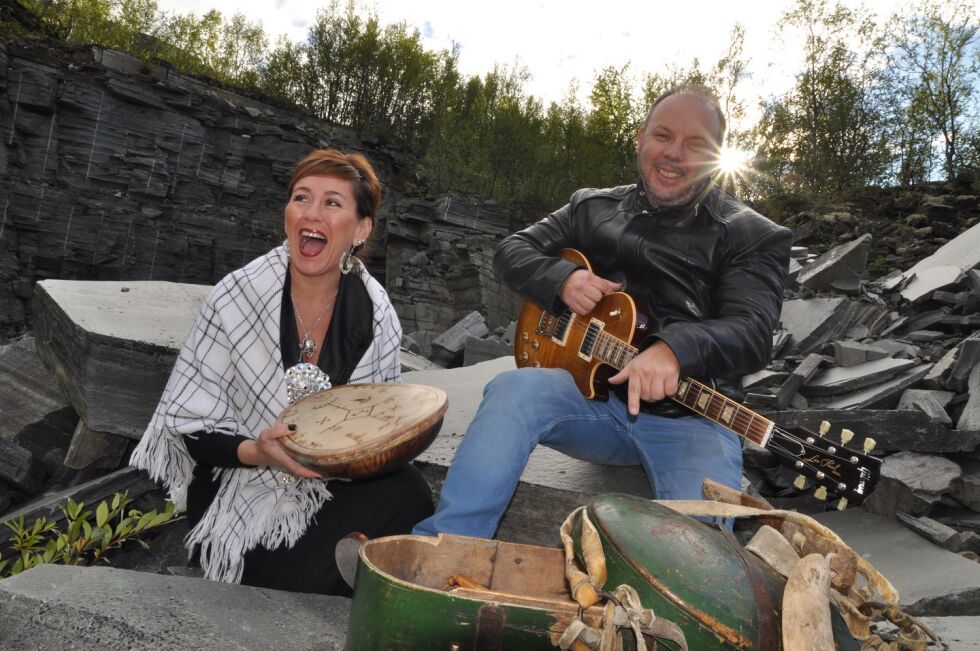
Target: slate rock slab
{"points": [[54, 607], [944, 267], [29, 393], [912, 482], [839, 268], [112, 344]]}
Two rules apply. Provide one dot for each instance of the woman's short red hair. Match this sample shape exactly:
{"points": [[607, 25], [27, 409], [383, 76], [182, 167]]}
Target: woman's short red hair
{"points": [[351, 167]]}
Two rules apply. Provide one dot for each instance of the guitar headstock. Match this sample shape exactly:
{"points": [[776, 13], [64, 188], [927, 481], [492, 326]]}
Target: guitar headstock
{"points": [[829, 464]]}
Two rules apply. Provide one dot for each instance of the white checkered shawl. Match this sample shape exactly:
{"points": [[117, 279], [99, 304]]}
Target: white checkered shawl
{"points": [[228, 379]]}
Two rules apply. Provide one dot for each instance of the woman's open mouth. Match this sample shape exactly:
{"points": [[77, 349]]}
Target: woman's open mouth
{"points": [[311, 242]]}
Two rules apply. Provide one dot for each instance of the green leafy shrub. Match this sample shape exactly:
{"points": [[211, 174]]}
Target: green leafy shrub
{"points": [[87, 537]]}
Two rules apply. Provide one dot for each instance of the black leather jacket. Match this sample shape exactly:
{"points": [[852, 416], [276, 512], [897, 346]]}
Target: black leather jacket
{"points": [[711, 272]]}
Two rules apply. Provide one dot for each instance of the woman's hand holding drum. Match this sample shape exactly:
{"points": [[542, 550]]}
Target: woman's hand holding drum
{"points": [[267, 450]]}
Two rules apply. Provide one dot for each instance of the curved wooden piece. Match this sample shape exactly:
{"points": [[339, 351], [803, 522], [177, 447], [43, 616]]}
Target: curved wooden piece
{"points": [[361, 430]]}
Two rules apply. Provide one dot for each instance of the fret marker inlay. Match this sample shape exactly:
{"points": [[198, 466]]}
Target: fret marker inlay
{"points": [[727, 413]]}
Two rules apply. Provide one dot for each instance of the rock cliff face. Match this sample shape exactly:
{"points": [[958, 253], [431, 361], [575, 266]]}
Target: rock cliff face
{"points": [[111, 168]]}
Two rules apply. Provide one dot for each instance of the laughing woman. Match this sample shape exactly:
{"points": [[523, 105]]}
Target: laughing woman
{"points": [[257, 516]]}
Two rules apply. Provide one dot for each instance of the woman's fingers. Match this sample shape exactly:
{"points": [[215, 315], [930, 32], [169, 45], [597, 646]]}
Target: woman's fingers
{"points": [[272, 453], [279, 430]]}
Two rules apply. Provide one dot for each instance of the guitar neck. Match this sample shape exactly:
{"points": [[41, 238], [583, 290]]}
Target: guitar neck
{"points": [[698, 397]]}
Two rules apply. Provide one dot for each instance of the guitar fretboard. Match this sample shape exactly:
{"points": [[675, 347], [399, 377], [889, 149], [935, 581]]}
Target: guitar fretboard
{"points": [[694, 395]]}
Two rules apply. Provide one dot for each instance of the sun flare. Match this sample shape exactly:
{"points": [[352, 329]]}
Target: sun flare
{"points": [[733, 161]]}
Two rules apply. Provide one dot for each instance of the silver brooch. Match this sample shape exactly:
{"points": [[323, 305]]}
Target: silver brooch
{"points": [[303, 380]]}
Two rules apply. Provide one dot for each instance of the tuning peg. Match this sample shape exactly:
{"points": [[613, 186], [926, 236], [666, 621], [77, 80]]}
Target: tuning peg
{"points": [[800, 482], [824, 427], [846, 435], [842, 504], [820, 493], [869, 444]]}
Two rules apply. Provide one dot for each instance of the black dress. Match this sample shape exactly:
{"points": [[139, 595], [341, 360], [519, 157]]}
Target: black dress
{"points": [[379, 506]]}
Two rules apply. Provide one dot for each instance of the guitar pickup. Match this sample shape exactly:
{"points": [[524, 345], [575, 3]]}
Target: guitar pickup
{"points": [[592, 332]]}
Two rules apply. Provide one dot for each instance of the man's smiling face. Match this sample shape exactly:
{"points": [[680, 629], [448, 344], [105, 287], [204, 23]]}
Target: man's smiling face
{"points": [[677, 148]]}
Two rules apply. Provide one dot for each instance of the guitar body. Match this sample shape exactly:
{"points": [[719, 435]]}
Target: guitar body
{"points": [[545, 340]]}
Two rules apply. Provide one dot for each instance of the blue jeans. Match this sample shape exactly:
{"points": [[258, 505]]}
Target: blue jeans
{"points": [[525, 407]]}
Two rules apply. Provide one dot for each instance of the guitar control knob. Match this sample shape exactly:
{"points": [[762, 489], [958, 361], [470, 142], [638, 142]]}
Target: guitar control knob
{"points": [[535, 344], [524, 357], [525, 337], [536, 364], [820, 493]]}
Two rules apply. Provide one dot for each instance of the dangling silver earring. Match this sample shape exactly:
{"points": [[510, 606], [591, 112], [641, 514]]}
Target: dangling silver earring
{"points": [[347, 257], [347, 260], [285, 248]]}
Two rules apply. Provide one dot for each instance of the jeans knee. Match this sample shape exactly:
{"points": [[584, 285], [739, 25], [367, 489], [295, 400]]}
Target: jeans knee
{"points": [[525, 385]]}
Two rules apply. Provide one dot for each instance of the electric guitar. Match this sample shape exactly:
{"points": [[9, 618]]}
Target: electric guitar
{"points": [[595, 346]]}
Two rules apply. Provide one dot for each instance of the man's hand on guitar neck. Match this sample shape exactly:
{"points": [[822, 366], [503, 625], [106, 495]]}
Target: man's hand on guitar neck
{"points": [[653, 375], [583, 290]]}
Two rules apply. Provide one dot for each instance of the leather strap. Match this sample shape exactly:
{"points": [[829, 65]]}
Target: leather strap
{"points": [[768, 636]]}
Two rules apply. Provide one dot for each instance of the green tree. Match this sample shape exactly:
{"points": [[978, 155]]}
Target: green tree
{"points": [[612, 125], [240, 51], [829, 133], [936, 50]]}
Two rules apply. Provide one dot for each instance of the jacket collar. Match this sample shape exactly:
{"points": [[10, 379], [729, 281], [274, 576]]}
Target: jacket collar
{"points": [[710, 198]]}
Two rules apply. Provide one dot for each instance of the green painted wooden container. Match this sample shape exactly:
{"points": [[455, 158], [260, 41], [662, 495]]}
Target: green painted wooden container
{"points": [[686, 571]]}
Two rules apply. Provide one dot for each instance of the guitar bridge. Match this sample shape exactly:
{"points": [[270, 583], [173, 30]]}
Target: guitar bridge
{"points": [[555, 327]]}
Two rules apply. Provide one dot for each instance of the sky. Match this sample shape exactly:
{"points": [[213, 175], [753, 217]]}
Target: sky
{"points": [[566, 41]]}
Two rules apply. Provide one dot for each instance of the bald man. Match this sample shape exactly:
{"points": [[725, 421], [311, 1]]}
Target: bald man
{"points": [[710, 271]]}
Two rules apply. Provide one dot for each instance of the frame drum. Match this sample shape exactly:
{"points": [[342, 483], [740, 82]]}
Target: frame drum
{"points": [[361, 430]]}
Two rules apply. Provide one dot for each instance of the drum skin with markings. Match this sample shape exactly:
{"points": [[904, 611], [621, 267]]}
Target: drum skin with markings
{"points": [[362, 430]]}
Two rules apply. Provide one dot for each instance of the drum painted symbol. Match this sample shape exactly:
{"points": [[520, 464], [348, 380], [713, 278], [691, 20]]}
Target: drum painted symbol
{"points": [[361, 430]]}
